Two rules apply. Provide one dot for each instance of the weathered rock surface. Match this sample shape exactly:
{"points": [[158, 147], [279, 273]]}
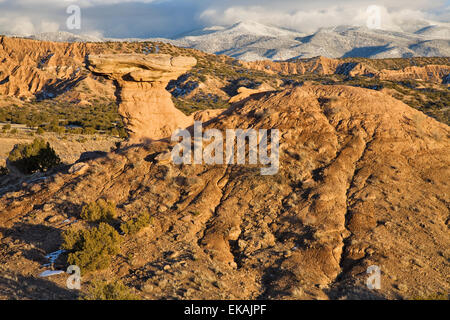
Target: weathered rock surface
{"points": [[327, 66], [319, 65], [78, 168], [435, 73], [141, 68], [145, 105], [45, 69], [244, 92], [363, 180]]}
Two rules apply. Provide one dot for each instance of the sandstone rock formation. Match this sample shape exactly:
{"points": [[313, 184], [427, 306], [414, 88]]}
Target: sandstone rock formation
{"points": [[29, 67], [434, 73], [319, 65], [363, 180], [244, 92], [327, 66], [145, 105]]}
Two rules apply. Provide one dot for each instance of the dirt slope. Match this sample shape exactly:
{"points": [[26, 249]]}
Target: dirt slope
{"points": [[363, 180]]}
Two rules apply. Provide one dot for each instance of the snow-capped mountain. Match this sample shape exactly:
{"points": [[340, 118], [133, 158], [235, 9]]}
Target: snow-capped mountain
{"points": [[242, 28], [435, 31], [255, 41], [251, 41], [244, 40], [62, 36]]}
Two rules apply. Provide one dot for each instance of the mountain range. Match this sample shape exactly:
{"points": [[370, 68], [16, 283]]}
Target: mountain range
{"points": [[250, 41]]}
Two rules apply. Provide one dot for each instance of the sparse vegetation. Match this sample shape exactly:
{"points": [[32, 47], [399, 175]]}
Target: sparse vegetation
{"points": [[133, 226], [103, 290], [6, 127], [33, 157], [91, 249], [99, 211], [53, 116], [200, 103], [437, 296]]}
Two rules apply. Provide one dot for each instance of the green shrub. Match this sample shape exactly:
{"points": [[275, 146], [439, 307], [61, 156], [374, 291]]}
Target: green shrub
{"points": [[103, 290], [114, 132], [89, 131], [59, 130], [76, 131], [33, 157], [123, 134], [135, 225], [100, 210], [91, 249], [14, 131], [6, 127]]}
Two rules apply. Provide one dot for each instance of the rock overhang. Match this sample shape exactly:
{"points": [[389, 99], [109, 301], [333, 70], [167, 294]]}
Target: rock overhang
{"points": [[144, 103], [140, 67]]}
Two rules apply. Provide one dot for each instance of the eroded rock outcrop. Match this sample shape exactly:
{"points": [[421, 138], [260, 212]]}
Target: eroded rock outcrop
{"points": [[363, 181], [141, 80], [244, 92], [325, 66], [29, 67], [318, 65], [432, 73]]}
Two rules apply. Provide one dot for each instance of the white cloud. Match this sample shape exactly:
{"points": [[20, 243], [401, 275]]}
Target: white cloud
{"points": [[48, 26], [310, 20], [146, 18], [81, 3], [22, 26]]}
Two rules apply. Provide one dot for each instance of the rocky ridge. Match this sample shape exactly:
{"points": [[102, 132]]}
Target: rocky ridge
{"points": [[327, 66], [363, 181]]}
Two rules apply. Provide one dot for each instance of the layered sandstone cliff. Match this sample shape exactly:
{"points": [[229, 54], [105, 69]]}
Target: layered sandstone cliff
{"points": [[327, 66], [319, 65], [29, 67], [433, 73]]}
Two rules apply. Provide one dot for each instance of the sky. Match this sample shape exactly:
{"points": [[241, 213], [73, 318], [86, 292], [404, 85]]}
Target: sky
{"points": [[169, 18]]}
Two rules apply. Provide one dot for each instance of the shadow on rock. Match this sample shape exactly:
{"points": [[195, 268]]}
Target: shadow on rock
{"points": [[14, 287]]}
